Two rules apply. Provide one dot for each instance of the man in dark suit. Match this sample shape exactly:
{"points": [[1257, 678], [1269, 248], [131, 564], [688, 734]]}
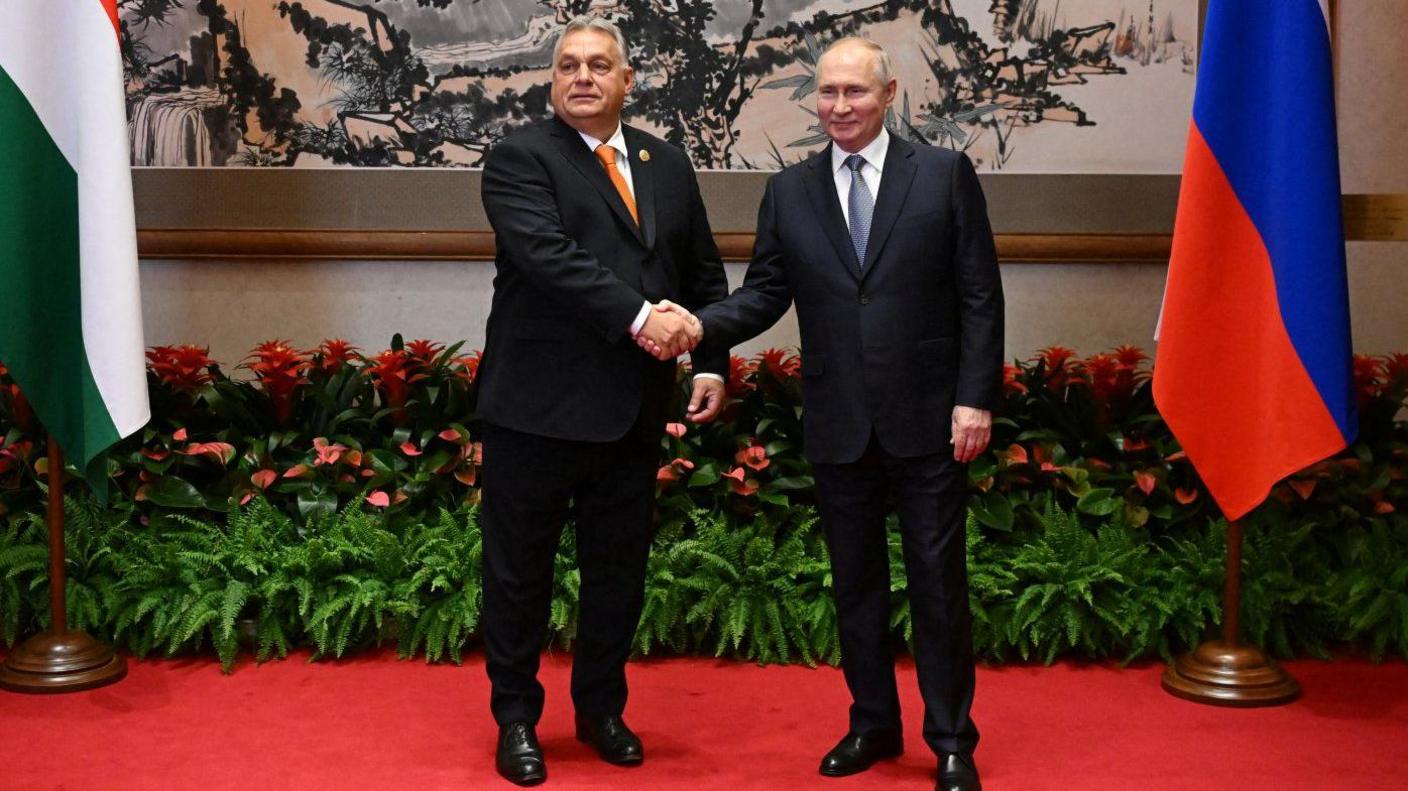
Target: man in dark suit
{"points": [[593, 222], [886, 250]]}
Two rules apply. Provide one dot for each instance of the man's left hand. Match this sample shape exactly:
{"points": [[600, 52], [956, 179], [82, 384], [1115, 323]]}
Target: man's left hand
{"points": [[971, 429], [707, 400]]}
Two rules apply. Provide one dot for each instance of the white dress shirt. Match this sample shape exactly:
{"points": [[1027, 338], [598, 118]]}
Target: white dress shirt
{"points": [[871, 171], [623, 165]]}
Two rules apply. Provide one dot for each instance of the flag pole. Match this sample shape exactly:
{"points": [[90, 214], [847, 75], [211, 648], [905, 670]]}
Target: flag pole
{"points": [[58, 659], [1227, 672]]}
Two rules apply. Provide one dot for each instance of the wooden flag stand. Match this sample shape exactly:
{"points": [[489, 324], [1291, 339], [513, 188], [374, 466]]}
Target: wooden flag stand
{"points": [[59, 660], [1225, 672]]}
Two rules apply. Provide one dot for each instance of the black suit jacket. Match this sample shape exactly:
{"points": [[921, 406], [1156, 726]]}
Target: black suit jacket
{"points": [[572, 271], [891, 346]]}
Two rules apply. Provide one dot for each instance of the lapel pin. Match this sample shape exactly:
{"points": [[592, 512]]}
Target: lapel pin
{"points": [[644, 155]]}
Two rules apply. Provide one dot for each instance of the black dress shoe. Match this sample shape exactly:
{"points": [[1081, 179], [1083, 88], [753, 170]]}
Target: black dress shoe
{"points": [[519, 758], [957, 772], [611, 739], [856, 752]]}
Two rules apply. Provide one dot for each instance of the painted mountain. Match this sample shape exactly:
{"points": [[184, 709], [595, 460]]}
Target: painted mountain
{"points": [[1022, 85]]}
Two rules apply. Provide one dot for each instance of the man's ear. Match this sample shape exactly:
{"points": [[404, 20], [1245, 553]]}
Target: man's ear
{"points": [[630, 80], [890, 91]]}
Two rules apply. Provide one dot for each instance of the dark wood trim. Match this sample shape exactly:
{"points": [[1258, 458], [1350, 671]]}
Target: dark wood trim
{"points": [[388, 245], [1376, 218], [1366, 218]]}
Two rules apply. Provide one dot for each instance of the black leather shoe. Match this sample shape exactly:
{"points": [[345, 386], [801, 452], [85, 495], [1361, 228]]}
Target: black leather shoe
{"points": [[611, 739], [957, 772], [519, 758], [857, 753]]}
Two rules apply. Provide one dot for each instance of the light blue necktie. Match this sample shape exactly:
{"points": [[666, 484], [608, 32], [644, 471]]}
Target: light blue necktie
{"points": [[860, 205]]}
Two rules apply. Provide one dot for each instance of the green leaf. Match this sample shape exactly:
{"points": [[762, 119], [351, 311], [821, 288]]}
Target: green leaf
{"points": [[172, 492], [1098, 502], [706, 475]]}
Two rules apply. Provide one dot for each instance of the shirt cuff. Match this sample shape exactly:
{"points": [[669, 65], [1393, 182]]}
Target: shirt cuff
{"points": [[639, 323], [715, 377]]}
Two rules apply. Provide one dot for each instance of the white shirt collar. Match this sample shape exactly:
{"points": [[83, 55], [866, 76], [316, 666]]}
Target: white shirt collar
{"points": [[874, 154], [616, 141]]}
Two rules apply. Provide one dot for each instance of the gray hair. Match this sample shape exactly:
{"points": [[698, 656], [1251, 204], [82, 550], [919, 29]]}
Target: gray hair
{"points": [[599, 24], [884, 70]]}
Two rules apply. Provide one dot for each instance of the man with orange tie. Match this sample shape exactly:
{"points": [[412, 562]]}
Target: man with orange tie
{"points": [[594, 224]]}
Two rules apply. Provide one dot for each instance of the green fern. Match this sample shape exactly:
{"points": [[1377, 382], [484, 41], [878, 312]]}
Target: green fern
{"points": [[1372, 590], [443, 593], [1075, 588]]}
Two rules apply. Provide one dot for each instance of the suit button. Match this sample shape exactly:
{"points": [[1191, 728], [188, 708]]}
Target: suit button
{"points": [[864, 299]]}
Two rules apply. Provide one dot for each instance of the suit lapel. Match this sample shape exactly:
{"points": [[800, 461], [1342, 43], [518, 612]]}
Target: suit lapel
{"points": [[821, 189], [643, 180], [575, 151], [895, 181]]}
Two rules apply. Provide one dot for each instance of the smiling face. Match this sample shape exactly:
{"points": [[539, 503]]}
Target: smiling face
{"points": [[590, 80], [851, 99]]}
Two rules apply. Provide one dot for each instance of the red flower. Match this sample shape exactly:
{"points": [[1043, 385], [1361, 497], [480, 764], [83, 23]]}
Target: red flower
{"points": [[264, 478], [466, 464], [676, 430], [423, 353], [409, 448], [1146, 481], [378, 499], [780, 364], [335, 353], [220, 452], [393, 373], [328, 452], [180, 435], [740, 377], [1185, 496], [1015, 454], [184, 369], [13, 457], [1303, 487], [745, 487], [1059, 364], [1011, 379], [1132, 357], [755, 456], [281, 370], [1368, 378], [673, 471], [466, 366]]}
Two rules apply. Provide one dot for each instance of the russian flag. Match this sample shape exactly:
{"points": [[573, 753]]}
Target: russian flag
{"points": [[1253, 369]]}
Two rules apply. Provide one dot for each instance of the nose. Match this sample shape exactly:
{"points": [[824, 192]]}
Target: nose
{"points": [[583, 75]]}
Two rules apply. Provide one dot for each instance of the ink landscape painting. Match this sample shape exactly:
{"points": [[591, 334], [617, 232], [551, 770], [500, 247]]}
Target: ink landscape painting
{"points": [[1028, 86]]}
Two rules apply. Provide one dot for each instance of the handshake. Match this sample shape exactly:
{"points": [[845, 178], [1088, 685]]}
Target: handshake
{"points": [[669, 331]]}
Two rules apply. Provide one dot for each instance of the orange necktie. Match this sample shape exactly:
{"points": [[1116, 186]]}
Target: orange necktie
{"points": [[607, 155]]}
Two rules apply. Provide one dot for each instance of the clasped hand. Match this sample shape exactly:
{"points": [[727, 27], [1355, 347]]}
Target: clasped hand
{"points": [[669, 331]]}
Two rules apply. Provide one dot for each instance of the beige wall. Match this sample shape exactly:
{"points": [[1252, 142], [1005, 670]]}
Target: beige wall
{"points": [[232, 306]]}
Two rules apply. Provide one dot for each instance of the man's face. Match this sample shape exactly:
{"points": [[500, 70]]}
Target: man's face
{"points": [[851, 100], [590, 81]]}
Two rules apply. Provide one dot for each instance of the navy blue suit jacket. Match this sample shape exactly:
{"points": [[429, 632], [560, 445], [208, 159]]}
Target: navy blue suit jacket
{"points": [[891, 344]]}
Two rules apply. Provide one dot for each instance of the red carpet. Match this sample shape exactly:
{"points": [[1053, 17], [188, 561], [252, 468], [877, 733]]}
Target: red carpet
{"points": [[378, 723]]}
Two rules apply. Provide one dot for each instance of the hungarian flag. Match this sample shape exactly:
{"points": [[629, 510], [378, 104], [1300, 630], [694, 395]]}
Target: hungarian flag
{"points": [[70, 309], [1253, 369]]}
